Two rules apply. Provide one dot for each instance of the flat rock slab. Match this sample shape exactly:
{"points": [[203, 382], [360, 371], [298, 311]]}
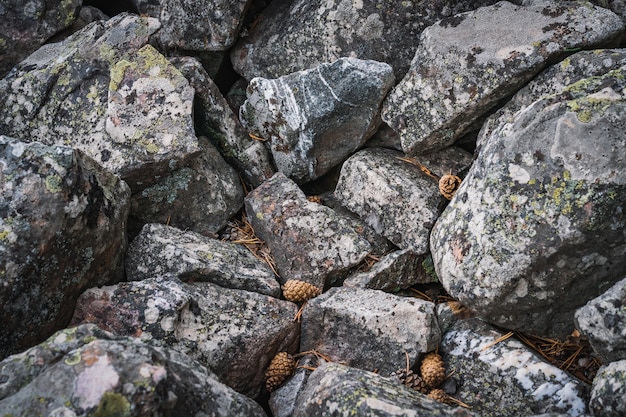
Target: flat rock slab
{"points": [[609, 390], [234, 333], [314, 119], [466, 63], [369, 329], [161, 251]]}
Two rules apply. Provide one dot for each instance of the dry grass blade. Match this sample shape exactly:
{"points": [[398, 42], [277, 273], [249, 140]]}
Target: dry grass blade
{"points": [[368, 262], [498, 340], [414, 162], [422, 295]]}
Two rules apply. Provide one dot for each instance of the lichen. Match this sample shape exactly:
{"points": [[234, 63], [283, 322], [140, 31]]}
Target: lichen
{"points": [[112, 404], [53, 183]]}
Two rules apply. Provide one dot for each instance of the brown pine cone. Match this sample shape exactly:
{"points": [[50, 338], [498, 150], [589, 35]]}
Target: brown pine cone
{"points": [[433, 370], [279, 369], [297, 291], [448, 184], [439, 395], [411, 380]]}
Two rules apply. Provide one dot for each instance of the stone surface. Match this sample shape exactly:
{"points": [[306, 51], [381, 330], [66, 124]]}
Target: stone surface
{"points": [[367, 329], [282, 401], [87, 371], [505, 378], [466, 63], [62, 230], [608, 396], [314, 119], [161, 251], [234, 333], [309, 242], [537, 228], [603, 321]]}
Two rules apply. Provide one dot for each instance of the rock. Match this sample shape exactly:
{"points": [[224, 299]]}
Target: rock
{"points": [[466, 63], [282, 401], [609, 391], [505, 378], [234, 333], [314, 119], [603, 321], [367, 329], [25, 27], [537, 227], [309, 242], [201, 197], [87, 371], [161, 251], [62, 230], [350, 391]]}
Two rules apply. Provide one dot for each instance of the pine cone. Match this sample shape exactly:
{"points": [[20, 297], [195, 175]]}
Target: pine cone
{"points": [[411, 380], [439, 395], [298, 291], [433, 370], [279, 369], [448, 184]]}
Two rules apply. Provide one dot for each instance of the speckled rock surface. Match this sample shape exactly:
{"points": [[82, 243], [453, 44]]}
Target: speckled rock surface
{"points": [[367, 329], [314, 119], [164, 251], [609, 391], [537, 227], [234, 333], [309, 242], [466, 63], [350, 391], [200, 197], [87, 371], [506, 379], [62, 230], [603, 321], [283, 400]]}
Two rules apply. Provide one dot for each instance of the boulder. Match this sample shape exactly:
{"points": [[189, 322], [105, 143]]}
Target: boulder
{"points": [[314, 119], [283, 400], [62, 230], [466, 63], [609, 391]]}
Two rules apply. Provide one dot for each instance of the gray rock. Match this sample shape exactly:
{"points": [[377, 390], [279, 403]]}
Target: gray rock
{"points": [[62, 230], [282, 401], [603, 321], [163, 251], [609, 391], [200, 197], [537, 228], [367, 329], [87, 371], [309, 242], [314, 119], [350, 391], [466, 63], [506, 378]]}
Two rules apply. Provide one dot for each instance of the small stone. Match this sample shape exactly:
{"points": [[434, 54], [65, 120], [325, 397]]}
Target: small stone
{"points": [[433, 370], [297, 291], [279, 369]]}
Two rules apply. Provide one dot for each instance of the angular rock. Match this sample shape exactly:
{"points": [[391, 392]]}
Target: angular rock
{"points": [[234, 333], [537, 227], [466, 63], [609, 391], [200, 197], [282, 401], [161, 251], [350, 391], [309, 242], [314, 119], [87, 371], [603, 321], [505, 378], [62, 230], [367, 329]]}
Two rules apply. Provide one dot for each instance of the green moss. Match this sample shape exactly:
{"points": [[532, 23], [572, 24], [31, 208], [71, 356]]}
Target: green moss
{"points": [[429, 268], [53, 183], [112, 404]]}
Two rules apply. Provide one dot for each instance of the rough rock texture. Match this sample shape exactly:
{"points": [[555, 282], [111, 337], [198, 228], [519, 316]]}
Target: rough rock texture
{"points": [[200, 197], [234, 333], [466, 63], [350, 391], [314, 119], [367, 329], [62, 230], [603, 321], [537, 228], [505, 378], [309, 242], [164, 251], [609, 391], [87, 371], [26, 26], [282, 401]]}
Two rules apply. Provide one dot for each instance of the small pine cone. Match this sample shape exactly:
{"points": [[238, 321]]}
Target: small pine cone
{"points": [[279, 369], [411, 380], [448, 184], [298, 291], [439, 395], [433, 370]]}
